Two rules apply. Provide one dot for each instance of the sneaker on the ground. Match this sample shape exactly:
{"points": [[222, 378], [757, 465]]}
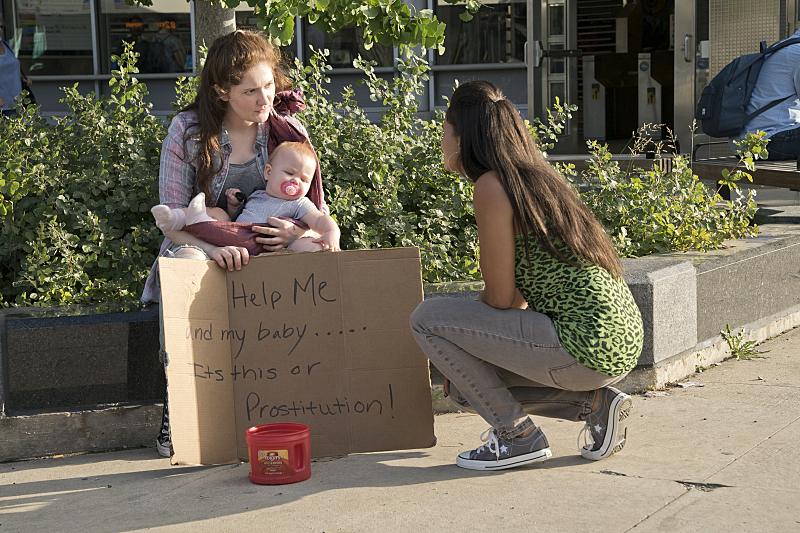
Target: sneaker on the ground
{"points": [[606, 429], [499, 454], [164, 446], [163, 441]]}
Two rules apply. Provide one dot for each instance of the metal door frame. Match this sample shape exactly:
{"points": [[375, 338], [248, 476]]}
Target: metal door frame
{"points": [[684, 62], [540, 79]]}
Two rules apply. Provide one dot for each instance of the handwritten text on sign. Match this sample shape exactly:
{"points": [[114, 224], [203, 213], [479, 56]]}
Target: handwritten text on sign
{"points": [[269, 337], [318, 338]]}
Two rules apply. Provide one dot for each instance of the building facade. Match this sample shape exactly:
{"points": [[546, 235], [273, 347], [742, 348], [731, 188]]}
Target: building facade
{"points": [[624, 62]]}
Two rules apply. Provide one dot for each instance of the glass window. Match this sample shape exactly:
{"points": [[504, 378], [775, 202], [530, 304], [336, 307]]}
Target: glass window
{"points": [[345, 45], [51, 37], [557, 89], [556, 15], [514, 83], [161, 34], [496, 33], [556, 65]]}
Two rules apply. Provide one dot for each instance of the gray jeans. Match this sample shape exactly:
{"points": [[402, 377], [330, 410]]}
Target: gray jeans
{"points": [[504, 364]]}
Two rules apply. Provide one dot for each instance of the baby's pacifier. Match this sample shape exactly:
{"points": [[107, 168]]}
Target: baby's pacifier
{"points": [[290, 189]]}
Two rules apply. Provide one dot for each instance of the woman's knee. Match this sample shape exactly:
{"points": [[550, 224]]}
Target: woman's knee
{"points": [[421, 317], [190, 253]]}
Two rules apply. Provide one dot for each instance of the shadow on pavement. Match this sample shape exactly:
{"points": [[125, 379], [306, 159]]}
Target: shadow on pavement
{"points": [[120, 491]]}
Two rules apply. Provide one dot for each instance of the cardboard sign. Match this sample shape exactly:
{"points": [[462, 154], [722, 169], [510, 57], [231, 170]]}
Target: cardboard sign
{"points": [[317, 338]]}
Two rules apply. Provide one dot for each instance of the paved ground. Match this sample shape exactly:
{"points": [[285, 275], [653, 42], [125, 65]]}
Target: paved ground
{"points": [[722, 457]]}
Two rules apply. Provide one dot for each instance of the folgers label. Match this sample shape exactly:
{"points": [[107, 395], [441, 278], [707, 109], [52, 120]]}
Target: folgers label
{"points": [[273, 462], [279, 453]]}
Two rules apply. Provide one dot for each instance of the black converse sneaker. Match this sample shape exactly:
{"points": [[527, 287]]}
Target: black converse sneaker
{"points": [[606, 427], [163, 441], [499, 454]]}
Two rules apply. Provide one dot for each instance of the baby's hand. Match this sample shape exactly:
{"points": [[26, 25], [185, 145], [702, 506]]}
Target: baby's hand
{"points": [[233, 201], [329, 240]]}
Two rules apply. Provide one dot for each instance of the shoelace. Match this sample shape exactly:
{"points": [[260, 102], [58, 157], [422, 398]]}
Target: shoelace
{"points": [[490, 438], [588, 441]]}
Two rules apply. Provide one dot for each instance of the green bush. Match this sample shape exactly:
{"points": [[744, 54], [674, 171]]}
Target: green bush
{"points": [[76, 198], [385, 182], [652, 211]]}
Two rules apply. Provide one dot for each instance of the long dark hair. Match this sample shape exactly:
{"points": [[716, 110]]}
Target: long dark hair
{"points": [[228, 60], [494, 137]]}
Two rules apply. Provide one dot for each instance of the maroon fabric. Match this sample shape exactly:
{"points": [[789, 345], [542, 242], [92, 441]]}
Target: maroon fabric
{"points": [[289, 102], [221, 233], [281, 130]]}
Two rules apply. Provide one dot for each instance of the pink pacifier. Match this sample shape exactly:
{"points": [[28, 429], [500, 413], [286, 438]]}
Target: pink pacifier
{"points": [[290, 189]]}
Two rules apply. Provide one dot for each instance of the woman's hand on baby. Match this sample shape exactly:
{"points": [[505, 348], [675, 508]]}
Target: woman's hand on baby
{"points": [[278, 235], [231, 257]]}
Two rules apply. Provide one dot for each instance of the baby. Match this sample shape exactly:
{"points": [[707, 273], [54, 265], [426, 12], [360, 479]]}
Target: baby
{"points": [[288, 176]]}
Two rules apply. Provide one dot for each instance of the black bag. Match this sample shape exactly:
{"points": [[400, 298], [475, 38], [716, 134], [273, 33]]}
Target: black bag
{"points": [[723, 103]]}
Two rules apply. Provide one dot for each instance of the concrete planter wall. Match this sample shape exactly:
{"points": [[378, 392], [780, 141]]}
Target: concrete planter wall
{"points": [[64, 362], [78, 382], [92, 382]]}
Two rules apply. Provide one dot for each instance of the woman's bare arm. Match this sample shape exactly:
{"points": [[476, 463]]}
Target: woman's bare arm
{"points": [[495, 220], [230, 257]]}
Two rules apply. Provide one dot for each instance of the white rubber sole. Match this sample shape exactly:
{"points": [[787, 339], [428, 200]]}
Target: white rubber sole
{"points": [[502, 464], [616, 432], [164, 451]]}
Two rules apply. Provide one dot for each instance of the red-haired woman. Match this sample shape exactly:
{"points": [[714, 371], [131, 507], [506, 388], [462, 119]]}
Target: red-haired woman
{"points": [[223, 140]]}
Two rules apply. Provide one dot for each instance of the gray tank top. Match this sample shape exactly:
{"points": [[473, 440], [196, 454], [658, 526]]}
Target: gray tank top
{"points": [[246, 177]]}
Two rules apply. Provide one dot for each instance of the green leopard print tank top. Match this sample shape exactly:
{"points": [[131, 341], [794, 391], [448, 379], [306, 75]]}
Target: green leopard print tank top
{"points": [[594, 314]]}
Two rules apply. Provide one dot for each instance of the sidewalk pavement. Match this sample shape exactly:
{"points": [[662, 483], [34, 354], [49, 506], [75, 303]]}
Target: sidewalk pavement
{"points": [[721, 457]]}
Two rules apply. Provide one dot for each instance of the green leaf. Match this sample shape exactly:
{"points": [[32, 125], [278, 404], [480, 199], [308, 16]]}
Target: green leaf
{"points": [[287, 34]]}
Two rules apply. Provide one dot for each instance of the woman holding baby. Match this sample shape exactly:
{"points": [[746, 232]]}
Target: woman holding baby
{"points": [[222, 142]]}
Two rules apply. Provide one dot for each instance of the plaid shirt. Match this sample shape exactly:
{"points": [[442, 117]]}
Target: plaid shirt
{"points": [[176, 177]]}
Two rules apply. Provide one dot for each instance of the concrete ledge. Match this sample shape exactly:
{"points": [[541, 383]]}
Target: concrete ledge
{"points": [[454, 289], [666, 293], [90, 430], [715, 351], [789, 214]]}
